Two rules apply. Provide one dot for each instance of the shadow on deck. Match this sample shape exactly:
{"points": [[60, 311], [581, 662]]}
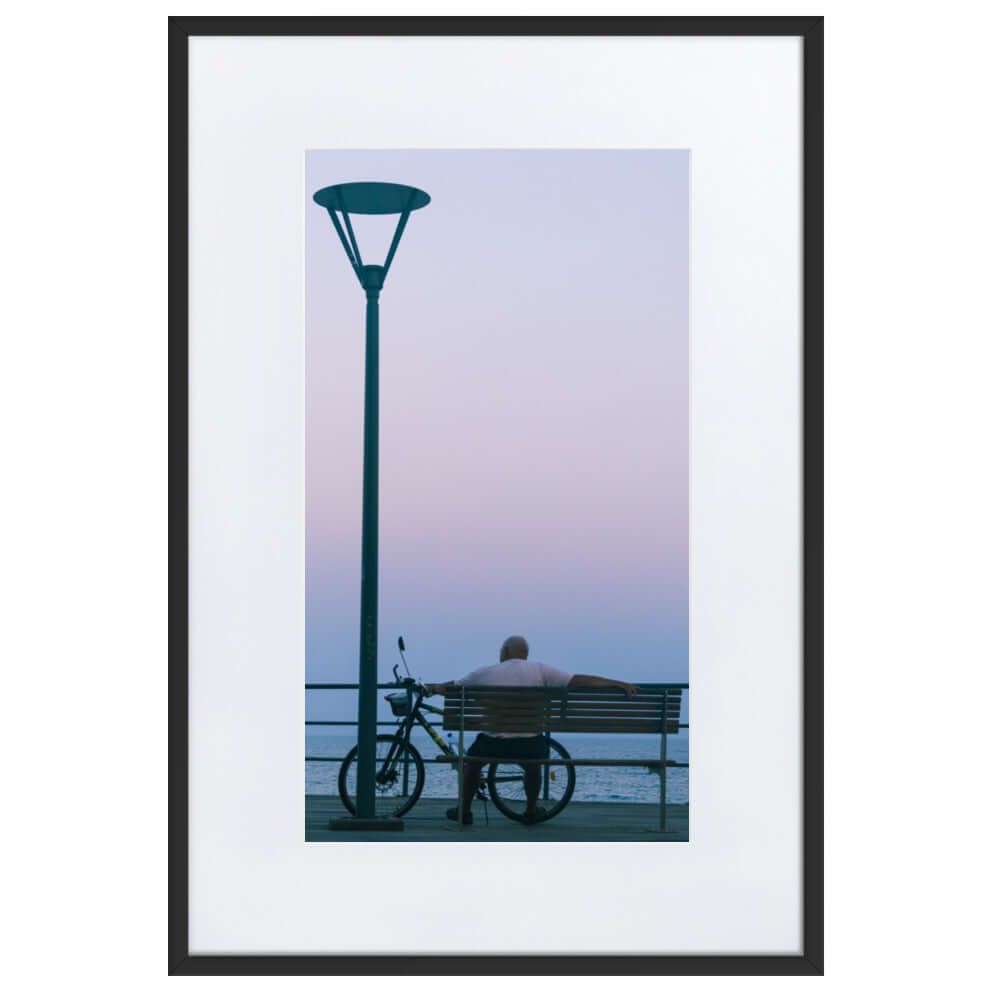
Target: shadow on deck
{"points": [[579, 821]]}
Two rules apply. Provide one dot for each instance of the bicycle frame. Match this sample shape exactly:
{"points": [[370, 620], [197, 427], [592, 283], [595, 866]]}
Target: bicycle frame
{"points": [[415, 715], [405, 730]]}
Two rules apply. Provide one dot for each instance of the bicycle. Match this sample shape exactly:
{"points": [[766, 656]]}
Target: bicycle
{"points": [[399, 767]]}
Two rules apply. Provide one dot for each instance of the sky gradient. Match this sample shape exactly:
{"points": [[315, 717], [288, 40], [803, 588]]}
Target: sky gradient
{"points": [[534, 414]]}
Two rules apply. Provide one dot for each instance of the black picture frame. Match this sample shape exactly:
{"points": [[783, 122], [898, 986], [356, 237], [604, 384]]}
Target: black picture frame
{"points": [[810, 961]]}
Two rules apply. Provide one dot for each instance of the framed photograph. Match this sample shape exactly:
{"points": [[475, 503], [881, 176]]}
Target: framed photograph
{"points": [[496, 464]]}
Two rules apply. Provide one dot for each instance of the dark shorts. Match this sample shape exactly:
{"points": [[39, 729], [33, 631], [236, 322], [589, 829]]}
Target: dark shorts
{"points": [[513, 749]]}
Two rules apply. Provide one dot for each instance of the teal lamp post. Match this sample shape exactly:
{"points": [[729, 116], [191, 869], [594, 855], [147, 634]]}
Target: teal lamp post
{"points": [[369, 199]]}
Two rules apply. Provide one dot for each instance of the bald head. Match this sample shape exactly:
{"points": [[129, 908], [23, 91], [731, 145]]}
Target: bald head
{"points": [[515, 647]]}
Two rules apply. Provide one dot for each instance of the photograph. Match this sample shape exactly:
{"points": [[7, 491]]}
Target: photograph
{"points": [[496, 495]]}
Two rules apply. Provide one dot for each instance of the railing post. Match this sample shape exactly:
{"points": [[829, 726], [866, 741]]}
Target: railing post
{"points": [[663, 769], [545, 772], [406, 751], [461, 755]]}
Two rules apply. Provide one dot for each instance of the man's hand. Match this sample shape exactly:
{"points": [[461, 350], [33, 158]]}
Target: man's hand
{"points": [[593, 681]]}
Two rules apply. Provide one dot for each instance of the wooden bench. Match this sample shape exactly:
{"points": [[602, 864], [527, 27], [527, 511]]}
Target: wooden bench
{"points": [[532, 710]]}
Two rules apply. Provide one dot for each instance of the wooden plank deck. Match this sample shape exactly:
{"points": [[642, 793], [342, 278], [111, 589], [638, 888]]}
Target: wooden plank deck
{"points": [[579, 821]]}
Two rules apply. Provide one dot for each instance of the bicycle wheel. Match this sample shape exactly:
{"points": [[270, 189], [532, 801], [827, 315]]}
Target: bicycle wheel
{"points": [[506, 785], [399, 777]]}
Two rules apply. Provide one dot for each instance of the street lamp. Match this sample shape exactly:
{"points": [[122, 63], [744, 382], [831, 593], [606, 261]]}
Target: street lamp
{"points": [[369, 199]]}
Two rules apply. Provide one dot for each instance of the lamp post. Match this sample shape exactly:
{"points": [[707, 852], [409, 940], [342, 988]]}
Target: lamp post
{"points": [[369, 199]]}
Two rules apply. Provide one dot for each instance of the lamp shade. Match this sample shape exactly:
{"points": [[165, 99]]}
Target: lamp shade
{"points": [[369, 198]]}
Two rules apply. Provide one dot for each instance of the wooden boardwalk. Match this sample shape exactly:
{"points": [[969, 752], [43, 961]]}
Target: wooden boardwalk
{"points": [[579, 821]]}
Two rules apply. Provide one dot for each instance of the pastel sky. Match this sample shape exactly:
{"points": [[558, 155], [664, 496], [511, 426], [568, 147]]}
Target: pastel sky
{"points": [[534, 413]]}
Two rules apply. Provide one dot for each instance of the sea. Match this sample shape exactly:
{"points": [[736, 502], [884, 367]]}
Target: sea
{"points": [[593, 784]]}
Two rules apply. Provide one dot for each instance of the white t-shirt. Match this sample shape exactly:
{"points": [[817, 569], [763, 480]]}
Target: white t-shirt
{"points": [[517, 673]]}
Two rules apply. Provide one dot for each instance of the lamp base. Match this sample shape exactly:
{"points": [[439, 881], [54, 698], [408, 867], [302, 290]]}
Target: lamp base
{"points": [[359, 823]]}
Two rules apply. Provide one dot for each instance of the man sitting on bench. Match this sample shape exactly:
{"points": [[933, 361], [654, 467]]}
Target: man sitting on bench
{"points": [[516, 670]]}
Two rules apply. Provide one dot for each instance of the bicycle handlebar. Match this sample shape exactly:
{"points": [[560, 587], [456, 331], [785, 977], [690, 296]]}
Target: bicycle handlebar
{"points": [[411, 683]]}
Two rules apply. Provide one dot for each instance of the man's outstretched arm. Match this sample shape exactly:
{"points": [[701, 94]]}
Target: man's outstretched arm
{"points": [[590, 681], [438, 688]]}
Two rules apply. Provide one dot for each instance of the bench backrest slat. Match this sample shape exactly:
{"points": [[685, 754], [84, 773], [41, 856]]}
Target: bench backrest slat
{"points": [[561, 710]]}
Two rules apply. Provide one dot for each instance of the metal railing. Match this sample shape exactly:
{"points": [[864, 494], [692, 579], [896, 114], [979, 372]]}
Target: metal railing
{"points": [[317, 686]]}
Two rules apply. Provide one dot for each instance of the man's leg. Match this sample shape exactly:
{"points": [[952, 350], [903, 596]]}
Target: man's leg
{"points": [[470, 784], [536, 747], [532, 786]]}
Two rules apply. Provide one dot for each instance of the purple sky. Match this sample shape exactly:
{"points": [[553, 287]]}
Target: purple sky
{"points": [[534, 413]]}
